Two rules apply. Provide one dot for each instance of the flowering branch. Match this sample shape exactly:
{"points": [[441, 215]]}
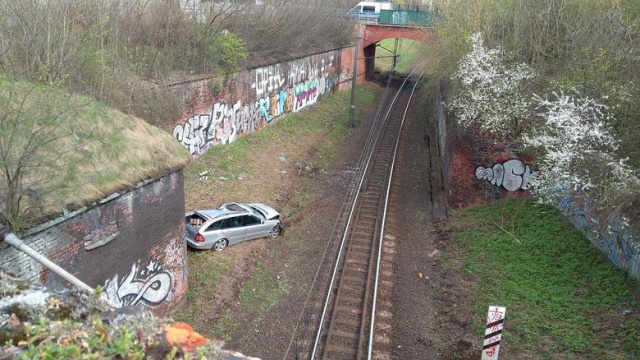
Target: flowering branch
{"points": [[578, 149], [491, 91]]}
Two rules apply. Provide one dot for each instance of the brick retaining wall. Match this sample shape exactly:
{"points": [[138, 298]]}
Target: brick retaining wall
{"points": [[130, 244]]}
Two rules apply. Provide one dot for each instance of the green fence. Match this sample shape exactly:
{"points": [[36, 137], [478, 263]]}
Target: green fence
{"points": [[407, 17]]}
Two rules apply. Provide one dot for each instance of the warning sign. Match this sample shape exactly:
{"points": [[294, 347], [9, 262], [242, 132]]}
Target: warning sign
{"points": [[493, 332]]}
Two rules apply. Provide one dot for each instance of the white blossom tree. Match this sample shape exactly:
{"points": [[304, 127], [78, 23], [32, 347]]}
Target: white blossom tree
{"points": [[491, 92], [576, 148]]}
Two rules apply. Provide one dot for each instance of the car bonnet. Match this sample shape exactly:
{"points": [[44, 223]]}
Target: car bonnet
{"points": [[268, 211]]}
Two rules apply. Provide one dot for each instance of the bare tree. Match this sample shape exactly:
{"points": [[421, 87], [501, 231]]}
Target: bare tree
{"points": [[122, 52], [280, 28], [34, 121]]}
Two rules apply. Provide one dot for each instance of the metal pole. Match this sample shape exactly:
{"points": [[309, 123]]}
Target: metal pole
{"points": [[395, 56], [354, 77], [7, 236]]}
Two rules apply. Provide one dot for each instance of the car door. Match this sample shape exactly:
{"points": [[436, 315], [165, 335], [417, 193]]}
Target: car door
{"points": [[233, 229], [213, 232], [254, 227]]}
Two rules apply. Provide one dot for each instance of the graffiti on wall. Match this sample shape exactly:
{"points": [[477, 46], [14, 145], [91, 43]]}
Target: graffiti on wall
{"points": [[512, 175], [279, 89], [149, 286], [610, 233], [223, 124]]}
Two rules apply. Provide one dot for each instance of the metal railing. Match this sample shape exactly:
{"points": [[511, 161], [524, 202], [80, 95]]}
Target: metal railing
{"points": [[408, 17]]}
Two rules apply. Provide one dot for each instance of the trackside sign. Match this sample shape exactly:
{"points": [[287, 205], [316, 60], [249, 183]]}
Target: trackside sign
{"points": [[493, 332]]}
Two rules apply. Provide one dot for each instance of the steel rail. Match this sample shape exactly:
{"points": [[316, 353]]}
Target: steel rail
{"points": [[384, 218], [329, 297], [299, 334], [366, 157]]}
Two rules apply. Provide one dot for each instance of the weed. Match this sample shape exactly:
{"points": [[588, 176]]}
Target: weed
{"points": [[423, 215]]}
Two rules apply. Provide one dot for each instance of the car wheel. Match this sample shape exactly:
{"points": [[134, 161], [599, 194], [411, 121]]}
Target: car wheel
{"points": [[275, 231], [220, 245]]}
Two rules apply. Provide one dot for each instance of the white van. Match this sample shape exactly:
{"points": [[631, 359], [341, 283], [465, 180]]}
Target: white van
{"points": [[369, 11]]}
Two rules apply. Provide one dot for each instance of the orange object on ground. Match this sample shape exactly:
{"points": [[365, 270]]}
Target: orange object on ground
{"points": [[183, 335]]}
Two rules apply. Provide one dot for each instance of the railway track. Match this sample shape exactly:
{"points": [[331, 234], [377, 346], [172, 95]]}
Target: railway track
{"points": [[338, 319]]}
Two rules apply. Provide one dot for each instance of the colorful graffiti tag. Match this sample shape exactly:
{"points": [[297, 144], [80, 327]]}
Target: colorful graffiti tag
{"points": [[279, 89], [610, 233], [512, 175], [149, 287]]}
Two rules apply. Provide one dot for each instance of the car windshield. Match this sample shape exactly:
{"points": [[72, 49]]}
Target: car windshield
{"points": [[258, 212]]}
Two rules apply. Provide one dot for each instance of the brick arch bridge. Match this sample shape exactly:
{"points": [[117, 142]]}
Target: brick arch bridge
{"points": [[373, 33]]}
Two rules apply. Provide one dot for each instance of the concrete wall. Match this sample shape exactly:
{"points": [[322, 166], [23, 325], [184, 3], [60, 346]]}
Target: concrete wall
{"points": [[220, 112], [130, 244]]}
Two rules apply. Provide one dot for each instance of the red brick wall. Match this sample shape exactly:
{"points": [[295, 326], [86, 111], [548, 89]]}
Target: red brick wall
{"points": [[375, 33], [219, 112], [131, 245]]}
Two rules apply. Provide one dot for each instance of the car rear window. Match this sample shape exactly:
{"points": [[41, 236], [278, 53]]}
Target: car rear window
{"points": [[196, 220]]}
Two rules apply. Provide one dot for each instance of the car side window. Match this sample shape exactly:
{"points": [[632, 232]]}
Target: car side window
{"points": [[251, 220], [215, 226], [232, 222]]}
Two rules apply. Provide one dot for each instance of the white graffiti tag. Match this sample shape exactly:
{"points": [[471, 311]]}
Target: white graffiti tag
{"points": [[279, 90], [512, 174], [268, 79], [193, 134], [150, 287]]}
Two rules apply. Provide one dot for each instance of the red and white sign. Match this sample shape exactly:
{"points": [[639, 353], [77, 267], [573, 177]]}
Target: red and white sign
{"points": [[493, 332]]}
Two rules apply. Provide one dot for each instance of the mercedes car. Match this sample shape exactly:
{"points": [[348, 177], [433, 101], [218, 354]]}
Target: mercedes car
{"points": [[229, 224]]}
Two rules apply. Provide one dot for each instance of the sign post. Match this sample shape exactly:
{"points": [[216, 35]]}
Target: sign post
{"points": [[493, 332], [354, 77]]}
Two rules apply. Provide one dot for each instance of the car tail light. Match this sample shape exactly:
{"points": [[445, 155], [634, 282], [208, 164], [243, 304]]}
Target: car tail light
{"points": [[199, 237]]}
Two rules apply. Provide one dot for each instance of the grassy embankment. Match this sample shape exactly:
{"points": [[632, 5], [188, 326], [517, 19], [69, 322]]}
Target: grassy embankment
{"points": [[564, 300], [65, 150]]}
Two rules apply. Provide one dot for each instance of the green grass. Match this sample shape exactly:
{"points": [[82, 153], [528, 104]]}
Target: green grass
{"points": [[321, 128], [256, 297], [262, 291], [206, 271], [408, 54], [562, 296]]}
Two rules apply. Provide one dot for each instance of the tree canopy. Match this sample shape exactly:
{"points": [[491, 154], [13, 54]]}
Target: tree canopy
{"points": [[578, 116]]}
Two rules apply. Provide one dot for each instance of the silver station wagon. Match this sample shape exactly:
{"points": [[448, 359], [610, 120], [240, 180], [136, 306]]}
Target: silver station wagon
{"points": [[230, 224]]}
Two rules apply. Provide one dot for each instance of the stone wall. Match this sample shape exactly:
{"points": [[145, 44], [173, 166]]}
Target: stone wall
{"points": [[131, 244]]}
